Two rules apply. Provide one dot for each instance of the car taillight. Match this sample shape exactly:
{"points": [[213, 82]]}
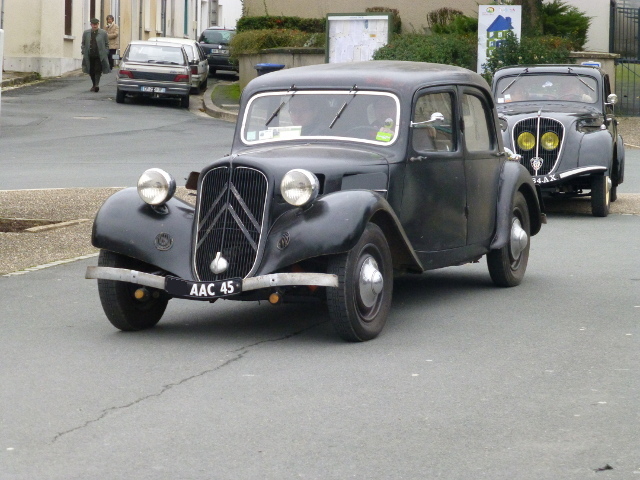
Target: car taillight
{"points": [[181, 78], [125, 73], [194, 69]]}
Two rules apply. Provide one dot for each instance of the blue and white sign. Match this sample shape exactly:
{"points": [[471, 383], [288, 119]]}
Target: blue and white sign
{"points": [[494, 22]]}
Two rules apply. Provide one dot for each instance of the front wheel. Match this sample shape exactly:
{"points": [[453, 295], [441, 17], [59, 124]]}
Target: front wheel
{"points": [[600, 195], [359, 306], [508, 264], [129, 307]]}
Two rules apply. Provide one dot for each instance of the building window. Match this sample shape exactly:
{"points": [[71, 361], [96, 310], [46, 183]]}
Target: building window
{"points": [[67, 16]]}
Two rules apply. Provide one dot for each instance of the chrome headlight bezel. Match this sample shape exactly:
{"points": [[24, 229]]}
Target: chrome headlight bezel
{"points": [[299, 187], [156, 187]]}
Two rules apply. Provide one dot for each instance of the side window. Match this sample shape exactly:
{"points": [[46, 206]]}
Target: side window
{"points": [[433, 132], [478, 137]]}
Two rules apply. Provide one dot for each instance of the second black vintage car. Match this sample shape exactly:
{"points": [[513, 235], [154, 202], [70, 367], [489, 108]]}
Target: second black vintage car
{"points": [[560, 120], [339, 176]]}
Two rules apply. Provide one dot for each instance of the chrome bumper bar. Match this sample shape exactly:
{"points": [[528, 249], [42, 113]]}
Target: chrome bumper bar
{"points": [[252, 283]]}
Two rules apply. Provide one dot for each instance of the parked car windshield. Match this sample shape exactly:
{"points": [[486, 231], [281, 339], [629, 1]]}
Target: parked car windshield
{"points": [[533, 88], [222, 37], [155, 54], [369, 117]]}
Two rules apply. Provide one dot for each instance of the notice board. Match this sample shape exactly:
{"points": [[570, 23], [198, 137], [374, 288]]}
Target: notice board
{"points": [[354, 37]]}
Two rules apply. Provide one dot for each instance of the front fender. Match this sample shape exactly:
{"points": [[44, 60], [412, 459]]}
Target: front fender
{"points": [[513, 178], [596, 148], [126, 225], [332, 225]]}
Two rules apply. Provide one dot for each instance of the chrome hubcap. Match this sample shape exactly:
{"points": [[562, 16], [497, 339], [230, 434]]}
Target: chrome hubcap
{"points": [[519, 239], [370, 282]]}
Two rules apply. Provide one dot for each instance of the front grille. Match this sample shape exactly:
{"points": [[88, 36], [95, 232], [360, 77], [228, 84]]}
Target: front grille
{"points": [[164, 77], [230, 215], [549, 157]]}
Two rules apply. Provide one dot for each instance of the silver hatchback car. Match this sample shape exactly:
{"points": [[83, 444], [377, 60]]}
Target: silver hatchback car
{"points": [[197, 60], [154, 69]]}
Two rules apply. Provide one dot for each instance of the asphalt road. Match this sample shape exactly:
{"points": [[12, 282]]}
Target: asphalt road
{"points": [[58, 134], [466, 381]]}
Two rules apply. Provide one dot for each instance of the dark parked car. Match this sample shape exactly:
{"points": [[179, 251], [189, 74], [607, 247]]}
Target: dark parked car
{"points": [[560, 119], [339, 176], [215, 43], [154, 69]]}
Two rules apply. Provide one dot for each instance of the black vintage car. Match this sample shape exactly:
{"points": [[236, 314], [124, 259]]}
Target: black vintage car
{"points": [[339, 176], [560, 120]]}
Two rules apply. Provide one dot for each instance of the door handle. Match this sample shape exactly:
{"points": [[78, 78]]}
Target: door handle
{"points": [[419, 158]]}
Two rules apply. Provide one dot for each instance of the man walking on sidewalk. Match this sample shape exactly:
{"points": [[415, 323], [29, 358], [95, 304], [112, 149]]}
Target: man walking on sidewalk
{"points": [[95, 53]]}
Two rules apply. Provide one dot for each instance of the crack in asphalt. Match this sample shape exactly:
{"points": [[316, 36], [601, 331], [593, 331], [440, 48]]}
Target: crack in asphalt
{"points": [[241, 352]]}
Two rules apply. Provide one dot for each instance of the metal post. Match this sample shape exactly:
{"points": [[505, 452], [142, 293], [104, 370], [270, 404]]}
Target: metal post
{"points": [[2, 15]]}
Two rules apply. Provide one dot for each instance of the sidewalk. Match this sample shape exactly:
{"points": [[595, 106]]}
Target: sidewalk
{"points": [[12, 79]]}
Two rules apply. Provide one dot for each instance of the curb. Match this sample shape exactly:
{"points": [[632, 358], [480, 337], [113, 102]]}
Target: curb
{"points": [[21, 79], [213, 110]]}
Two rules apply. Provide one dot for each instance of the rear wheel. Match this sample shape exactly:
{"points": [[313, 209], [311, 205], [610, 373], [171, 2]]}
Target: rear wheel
{"points": [[184, 101], [129, 307], [119, 96], [508, 264], [359, 307], [600, 195], [204, 85]]}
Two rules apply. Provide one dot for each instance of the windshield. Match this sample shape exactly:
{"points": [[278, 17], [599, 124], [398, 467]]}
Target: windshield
{"points": [[220, 37], [532, 88], [155, 54], [369, 117]]}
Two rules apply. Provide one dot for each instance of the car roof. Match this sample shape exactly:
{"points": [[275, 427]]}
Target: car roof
{"points": [[183, 41], [154, 42], [390, 75], [221, 28], [551, 68]]}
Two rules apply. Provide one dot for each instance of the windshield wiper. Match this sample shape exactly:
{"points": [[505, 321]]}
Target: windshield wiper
{"points": [[354, 89], [282, 104], [580, 78], [526, 70]]}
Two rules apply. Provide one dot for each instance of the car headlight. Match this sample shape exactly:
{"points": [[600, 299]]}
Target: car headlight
{"points": [[155, 186], [526, 141], [549, 141], [299, 187]]}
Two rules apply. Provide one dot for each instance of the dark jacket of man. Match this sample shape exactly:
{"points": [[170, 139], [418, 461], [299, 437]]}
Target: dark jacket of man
{"points": [[102, 41]]}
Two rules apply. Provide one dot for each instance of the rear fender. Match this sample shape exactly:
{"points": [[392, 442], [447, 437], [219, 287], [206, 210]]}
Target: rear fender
{"points": [[332, 225], [514, 178], [128, 226]]}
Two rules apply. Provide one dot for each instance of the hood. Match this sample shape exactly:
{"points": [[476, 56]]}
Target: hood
{"points": [[549, 109]]}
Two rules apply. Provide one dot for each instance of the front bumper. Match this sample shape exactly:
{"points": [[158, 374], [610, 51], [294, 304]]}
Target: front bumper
{"points": [[558, 178], [253, 283]]}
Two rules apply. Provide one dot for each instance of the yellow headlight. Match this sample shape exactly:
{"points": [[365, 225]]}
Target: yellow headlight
{"points": [[549, 141], [526, 141]]}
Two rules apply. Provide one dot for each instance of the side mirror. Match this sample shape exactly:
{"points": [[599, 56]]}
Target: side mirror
{"points": [[436, 117], [612, 99]]}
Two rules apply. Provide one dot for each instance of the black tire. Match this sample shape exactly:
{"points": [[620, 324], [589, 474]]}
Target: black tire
{"points": [[358, 314], [194, 91], [184, 101], [120, 305], [212, 71], [119, 96], [600, 196], [508, 264], [204, 85]]}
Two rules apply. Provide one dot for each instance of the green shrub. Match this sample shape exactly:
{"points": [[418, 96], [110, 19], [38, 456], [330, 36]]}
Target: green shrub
{"points": [[530, 51], [565, 21], [253, 41], [449, 49], [309, 25]]}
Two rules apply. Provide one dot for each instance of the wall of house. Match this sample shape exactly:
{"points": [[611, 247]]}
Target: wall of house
{"points": [[598, 35]]}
